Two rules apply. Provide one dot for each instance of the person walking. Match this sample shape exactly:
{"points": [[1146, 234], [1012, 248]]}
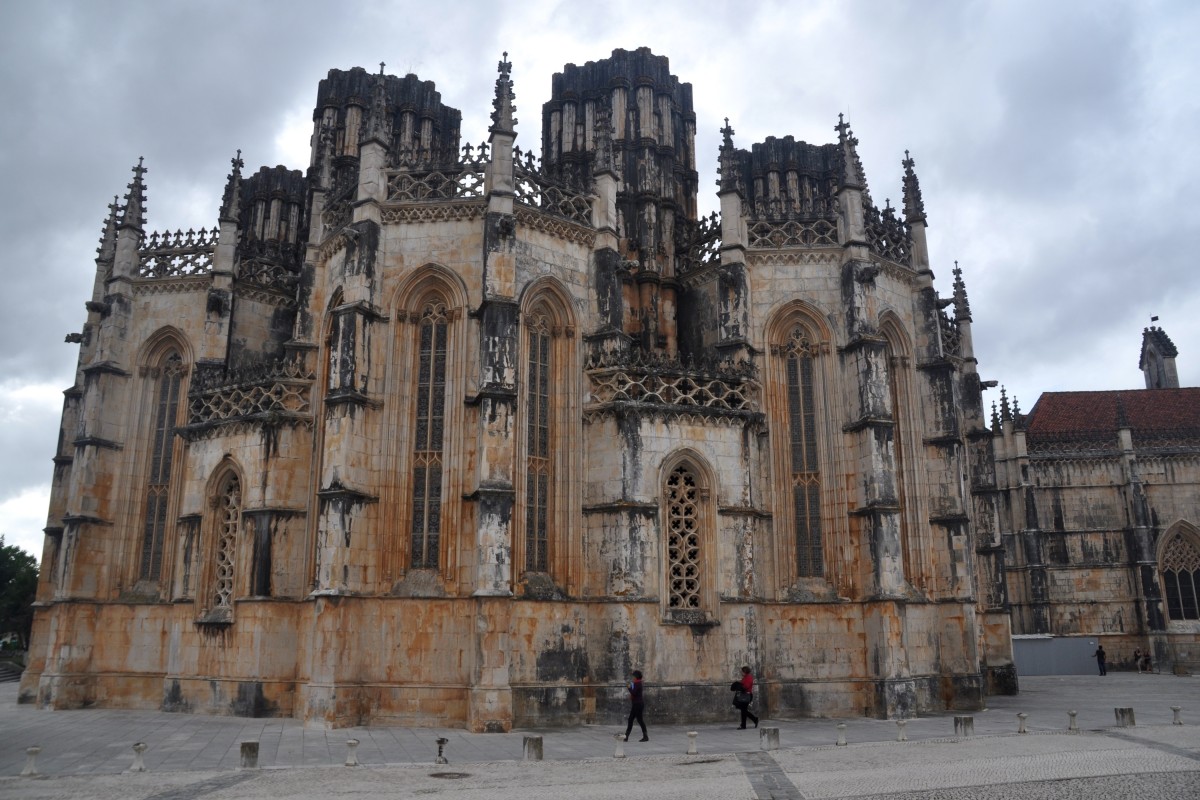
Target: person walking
{"points": [[636, 706], [744, 696], [1099, 654]]}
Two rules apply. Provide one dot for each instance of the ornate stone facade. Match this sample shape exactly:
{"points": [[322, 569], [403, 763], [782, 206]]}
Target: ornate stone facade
{"points": [[1102, 521], [442, 434]]}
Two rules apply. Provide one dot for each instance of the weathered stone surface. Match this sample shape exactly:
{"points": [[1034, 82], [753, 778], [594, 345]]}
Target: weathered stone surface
{"points": [[467, 438]]}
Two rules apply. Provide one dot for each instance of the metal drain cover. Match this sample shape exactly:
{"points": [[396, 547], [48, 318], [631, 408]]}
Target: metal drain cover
{"points": [[450, 775]]}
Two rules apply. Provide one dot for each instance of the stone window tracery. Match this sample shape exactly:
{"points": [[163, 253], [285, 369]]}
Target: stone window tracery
{"points": [[799, 353], [229, 516], [158, 488], [538, 418], [1180, 571], [433, 327], [684, 564]]}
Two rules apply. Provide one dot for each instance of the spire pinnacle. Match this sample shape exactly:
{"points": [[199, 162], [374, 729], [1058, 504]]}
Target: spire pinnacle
{"points": [[852, 168], [503, 108], [1005, 409], [108, 238], [728, 162], [962, 308], [914, 206], [231, 200], [135, 199]]}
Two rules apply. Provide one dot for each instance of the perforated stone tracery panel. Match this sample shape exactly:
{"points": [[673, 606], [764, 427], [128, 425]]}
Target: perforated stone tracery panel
{"points": [[228, 523], [683, 540]]}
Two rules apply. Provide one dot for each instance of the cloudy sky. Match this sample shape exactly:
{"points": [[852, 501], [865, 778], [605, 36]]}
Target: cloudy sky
{"points": [[1055, 142]]}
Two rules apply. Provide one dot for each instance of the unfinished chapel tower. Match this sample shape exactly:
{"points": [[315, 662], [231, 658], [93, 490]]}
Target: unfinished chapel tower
{"points": [[435, 433]]}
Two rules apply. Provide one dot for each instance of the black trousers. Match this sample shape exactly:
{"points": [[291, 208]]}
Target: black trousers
{"points": [[745, 709], [635, 713]]}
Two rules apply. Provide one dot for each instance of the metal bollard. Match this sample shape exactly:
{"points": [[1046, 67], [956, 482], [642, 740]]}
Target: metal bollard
{"points": [[768, 738], [352, 752], [692, 743], [532, 748], [1124, 717], [901, 736], [1073, 726], [1176, 720], [841, 728], [138, 764], [249, 755], [441, 758], [964, 726], [620, 752], [1021, 717], [31, 754]]}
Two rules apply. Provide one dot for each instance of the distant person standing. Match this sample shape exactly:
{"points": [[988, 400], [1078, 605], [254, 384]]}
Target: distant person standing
{"points": [[744, 696], [636, 706], [1099, 654], [1147, 664], [1137, 658]]}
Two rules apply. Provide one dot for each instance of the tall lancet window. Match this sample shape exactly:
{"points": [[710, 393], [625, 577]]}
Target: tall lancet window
{"points": [[165, 411], [802, 438], [684, 554], [429, 430], [538, 438], [228, 521], [1181, 576]]}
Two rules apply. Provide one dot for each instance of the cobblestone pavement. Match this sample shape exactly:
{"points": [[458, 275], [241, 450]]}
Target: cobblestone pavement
{"points": [[85, 754]]}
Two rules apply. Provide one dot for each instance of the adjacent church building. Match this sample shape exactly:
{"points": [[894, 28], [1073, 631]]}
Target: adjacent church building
{"points": [[1102, 514], [434, 433]]}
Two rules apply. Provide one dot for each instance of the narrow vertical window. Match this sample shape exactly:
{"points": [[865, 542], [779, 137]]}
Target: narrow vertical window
{"points": [[895, 364], [1181, 577], [805, 472], [537, 426], [229, 516], [158, 494], [683, 540], [427, 447]]}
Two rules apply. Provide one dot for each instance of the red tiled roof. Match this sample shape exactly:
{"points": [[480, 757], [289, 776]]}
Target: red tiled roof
{"points": [[1145, 411]]}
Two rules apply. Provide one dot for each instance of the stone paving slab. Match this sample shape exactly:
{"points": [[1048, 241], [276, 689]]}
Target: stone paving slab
{"points": [[98, 741]]}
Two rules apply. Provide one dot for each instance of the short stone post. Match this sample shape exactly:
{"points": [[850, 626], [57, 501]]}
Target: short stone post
{"points": [[1124, 717], [964, 726], [31, 754], [1072, 726], [1177, 720], [441, 757], [352, 752], [138, 764], [901, 736], [841, 728], [692, 743], [1021, 717], [249, 755], [620, 752], [768, 738], [532, 748]]}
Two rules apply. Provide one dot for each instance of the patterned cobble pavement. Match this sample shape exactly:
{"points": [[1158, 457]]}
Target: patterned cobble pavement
{"points": [[86, 752]]}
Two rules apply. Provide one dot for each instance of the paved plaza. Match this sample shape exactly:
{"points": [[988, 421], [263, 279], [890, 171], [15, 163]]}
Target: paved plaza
{"points": [[86, 754]]}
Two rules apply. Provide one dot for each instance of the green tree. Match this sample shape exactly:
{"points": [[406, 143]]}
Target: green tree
{"points": [[18, 585]]}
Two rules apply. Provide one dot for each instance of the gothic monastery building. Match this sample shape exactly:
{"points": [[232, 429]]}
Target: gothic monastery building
{"points": [[434, 433]]}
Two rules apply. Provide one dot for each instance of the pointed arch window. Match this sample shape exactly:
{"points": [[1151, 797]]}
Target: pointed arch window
{"points": [[538, 461], [1180, 571], [685, 589], [228, 521], [429, 431], [165, 412], [805, 478]]}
